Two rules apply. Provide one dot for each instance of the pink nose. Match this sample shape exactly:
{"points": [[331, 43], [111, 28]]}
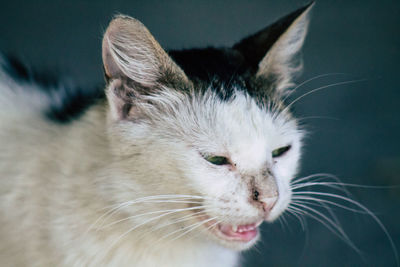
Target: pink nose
{"points": [[269, 203]]}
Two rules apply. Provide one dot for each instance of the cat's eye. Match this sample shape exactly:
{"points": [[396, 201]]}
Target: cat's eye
{"points": [[217, 160], [280, 151]]}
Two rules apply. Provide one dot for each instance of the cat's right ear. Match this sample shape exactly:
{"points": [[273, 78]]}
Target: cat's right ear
{"points": [[135, 64], [271, 54]]}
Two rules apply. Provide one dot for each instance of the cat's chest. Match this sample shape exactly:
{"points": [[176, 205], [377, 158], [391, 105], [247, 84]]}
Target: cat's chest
{"points": [[183, 254]]}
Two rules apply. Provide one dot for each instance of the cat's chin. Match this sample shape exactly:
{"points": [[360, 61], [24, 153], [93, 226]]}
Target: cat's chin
{"points": [[237, 237]]}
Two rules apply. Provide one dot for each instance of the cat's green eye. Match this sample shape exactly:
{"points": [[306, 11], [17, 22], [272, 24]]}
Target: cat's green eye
{"points": [[280, 151], [217, 160]]}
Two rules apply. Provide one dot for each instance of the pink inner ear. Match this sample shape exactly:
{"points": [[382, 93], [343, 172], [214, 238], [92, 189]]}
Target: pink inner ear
{"points": [[121, 105], [110, 67], [115, 102]]}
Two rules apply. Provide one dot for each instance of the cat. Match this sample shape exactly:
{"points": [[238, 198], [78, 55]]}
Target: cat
{"points": [[177, 163]]}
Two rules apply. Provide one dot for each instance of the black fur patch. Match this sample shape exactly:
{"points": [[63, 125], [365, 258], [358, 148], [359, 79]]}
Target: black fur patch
{"points": [[210, 63], [20, 72], [72, 102], [221, 69], [75, 102], [237, 65]]}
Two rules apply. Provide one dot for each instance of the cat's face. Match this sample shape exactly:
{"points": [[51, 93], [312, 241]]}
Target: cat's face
{"points": [[250, 185], [221, 151], [229, 158]]}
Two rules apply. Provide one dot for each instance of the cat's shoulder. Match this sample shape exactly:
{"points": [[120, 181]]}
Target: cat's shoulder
{"points": [[44, 93]]}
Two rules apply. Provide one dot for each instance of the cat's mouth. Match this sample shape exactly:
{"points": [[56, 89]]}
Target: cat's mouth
{"points": [[237, 233], [242, 233]]}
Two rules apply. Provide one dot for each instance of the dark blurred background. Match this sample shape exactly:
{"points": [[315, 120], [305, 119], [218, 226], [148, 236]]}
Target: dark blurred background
{"points": [[353, 128]]}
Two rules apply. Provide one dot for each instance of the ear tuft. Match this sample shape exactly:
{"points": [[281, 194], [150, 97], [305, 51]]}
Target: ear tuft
{"points": [[130, 51]]}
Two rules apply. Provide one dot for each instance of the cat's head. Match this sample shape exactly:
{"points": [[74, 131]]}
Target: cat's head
{"points": [[208, 127]]}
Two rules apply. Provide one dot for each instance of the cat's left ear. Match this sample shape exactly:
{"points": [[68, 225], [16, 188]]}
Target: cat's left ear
{"points": [[271, 54], [135, 65]]}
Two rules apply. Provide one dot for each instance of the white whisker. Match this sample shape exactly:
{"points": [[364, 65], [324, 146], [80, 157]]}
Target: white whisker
{"points": [[116, 207], [337, 186], [370, 213], [313, 176], [310, 80], [285, 221], [170, 211], [317, 117], [297, 199], [297, 215], [132, 229], [321, 88], [328, 223], [182, 219], [347, 185], [190, 228]]}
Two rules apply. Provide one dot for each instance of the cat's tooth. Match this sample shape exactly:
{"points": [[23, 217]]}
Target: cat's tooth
{"points": [[234, 228]]}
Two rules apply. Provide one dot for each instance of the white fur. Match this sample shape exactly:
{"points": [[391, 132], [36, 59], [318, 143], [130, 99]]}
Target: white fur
{"points": [[56, 181], [59, 183]]}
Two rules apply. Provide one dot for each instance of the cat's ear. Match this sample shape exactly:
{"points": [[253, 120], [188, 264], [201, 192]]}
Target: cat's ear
{"points": [[271, 54], [135, 63]]}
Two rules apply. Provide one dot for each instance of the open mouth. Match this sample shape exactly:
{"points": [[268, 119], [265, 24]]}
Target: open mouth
{"points": [[240, 233]]}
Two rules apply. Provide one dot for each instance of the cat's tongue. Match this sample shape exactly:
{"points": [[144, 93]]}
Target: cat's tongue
{"points": [[242, 233]]}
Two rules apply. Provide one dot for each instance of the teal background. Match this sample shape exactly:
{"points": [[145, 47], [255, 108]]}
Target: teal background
{"points": [[356, 136]]}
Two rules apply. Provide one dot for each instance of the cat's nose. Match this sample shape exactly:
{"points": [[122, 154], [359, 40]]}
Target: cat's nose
{"points": [[269, 202]]}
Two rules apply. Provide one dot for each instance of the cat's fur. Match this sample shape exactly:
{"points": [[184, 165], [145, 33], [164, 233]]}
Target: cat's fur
{"points": [[163, 115]]}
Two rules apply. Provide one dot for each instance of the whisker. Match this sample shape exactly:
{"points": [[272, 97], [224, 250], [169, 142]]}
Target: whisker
{"points": [[298, 199], [182, 219], [132, 229], [319, 89], [191, 228], [334, 223], [208, 228], [317, 117], [350, 185], [331, 225], [285, 221], [281, 223], [310, 80], [298, 215], [106, 215], [320, 176], [337, 186], [370, 213], [170, 211], [316, 175], [116, 207]]}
